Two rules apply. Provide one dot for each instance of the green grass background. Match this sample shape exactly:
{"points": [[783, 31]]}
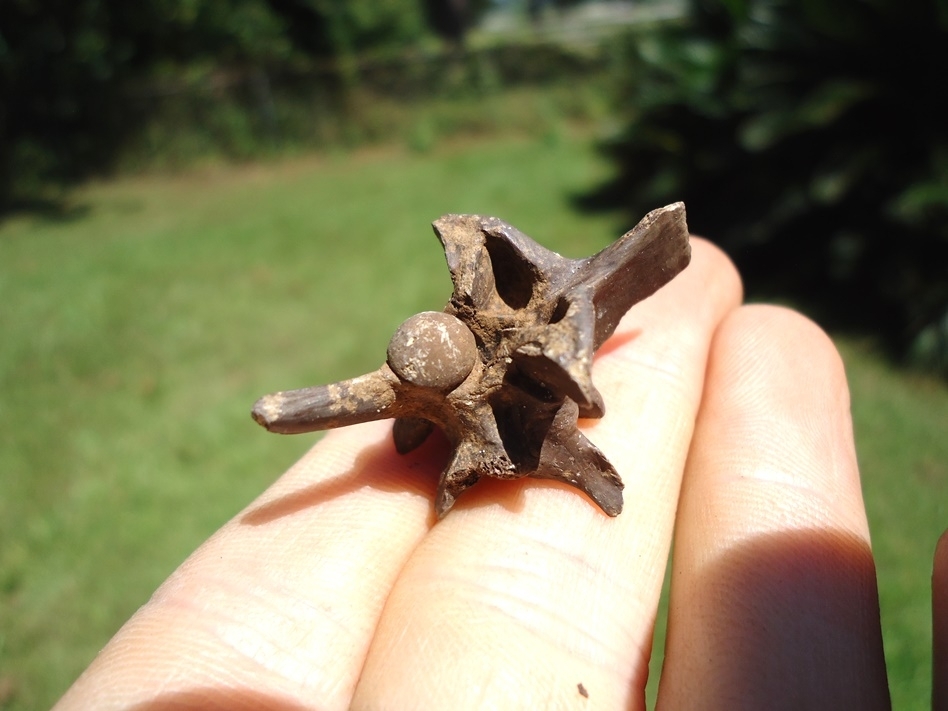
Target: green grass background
{"points": [[137, 329]]}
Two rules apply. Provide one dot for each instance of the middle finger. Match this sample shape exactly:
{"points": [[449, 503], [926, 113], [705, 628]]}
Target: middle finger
{"points": [[526, 596]]}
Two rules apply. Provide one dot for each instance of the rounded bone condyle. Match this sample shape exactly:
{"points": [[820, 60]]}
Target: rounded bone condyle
{"points": [[433, 349]]}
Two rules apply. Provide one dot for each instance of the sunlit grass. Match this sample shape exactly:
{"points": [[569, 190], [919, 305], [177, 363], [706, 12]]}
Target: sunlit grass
{"points": [[901, 426], [135, 335]]}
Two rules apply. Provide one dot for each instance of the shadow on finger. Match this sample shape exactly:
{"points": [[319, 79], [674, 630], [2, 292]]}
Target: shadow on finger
{"points": [[377, 466], [214, 699], [786, 620]]}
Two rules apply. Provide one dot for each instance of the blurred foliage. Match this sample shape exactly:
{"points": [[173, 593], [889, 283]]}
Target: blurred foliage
{"points": [[65, 66], [808, 139], [420, 98], [73, 73], [537, 8], [453, 18]]}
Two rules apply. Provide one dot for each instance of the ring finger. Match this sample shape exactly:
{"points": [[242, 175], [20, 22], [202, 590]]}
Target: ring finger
{"points": [[773, 601]]}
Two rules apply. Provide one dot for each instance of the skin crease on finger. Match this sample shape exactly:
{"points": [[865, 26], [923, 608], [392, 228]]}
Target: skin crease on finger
{"points": [[773, 600], [526, 591]]}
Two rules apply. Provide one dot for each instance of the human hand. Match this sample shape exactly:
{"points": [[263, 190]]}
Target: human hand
{"points": [[730, 427]]}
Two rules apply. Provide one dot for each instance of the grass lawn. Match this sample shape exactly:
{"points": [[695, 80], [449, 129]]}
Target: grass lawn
{"points": [[136, 332]]}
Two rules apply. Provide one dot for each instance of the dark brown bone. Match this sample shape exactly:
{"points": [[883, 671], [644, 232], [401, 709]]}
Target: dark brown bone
{"points": [[505, 370]]}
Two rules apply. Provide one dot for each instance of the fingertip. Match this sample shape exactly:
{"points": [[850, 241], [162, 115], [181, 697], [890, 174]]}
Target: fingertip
{"points": [[774, 327], [775, 425], [719, 264], [773, 349]]}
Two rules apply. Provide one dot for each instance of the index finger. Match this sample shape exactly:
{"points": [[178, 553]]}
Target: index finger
{"points": [[277, 609]]}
